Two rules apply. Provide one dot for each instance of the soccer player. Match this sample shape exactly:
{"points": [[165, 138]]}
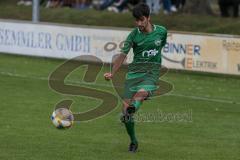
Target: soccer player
{"points": [[147, 41]]}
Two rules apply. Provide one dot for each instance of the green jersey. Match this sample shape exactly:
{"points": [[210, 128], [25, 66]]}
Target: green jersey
{"points": [[146, 49]]}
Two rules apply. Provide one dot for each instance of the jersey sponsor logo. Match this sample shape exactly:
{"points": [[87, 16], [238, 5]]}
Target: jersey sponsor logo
{"points": [[150, 53]]}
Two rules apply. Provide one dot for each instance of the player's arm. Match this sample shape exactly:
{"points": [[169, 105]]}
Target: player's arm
{"points": [[116, 65], [128, 43]]}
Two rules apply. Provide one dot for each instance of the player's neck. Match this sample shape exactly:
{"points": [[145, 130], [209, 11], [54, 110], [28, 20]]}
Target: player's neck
{"points": [[149, 28]]}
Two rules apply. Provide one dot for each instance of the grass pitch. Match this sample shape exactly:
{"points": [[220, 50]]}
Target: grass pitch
{"points": [[26, 132]]}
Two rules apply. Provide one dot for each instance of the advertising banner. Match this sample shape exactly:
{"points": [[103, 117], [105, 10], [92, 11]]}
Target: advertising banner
{"points": [[187, 51]]}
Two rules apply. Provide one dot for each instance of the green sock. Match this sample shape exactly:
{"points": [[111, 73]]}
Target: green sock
{"points": [[136, 104], [130, 129]]}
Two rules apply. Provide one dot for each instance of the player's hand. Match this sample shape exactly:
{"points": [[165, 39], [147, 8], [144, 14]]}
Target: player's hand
{"points": [[108, 76]]}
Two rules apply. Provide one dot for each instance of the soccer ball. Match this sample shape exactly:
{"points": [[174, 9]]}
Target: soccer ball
{"points": [[62, 118]]}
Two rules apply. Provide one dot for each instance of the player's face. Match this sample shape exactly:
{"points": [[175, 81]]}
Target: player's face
{"points": [[142, 23]]}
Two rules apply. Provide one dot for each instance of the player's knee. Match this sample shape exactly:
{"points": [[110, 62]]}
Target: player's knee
{"points": [[141, 95], [126, 103]]}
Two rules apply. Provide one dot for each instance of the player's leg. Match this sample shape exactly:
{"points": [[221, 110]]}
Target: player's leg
{"points": [[128, 121], [137, 100], [130, 107], [132, 98], [145, 89]]}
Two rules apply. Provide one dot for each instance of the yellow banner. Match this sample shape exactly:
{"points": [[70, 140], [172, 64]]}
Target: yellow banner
{"points": [[207, 53]]}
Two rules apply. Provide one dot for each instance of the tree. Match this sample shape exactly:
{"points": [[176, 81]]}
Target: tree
{"points": [[198, 7]]}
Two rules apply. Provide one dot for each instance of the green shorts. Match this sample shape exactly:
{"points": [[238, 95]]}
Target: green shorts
{"points": [[147, 82]]}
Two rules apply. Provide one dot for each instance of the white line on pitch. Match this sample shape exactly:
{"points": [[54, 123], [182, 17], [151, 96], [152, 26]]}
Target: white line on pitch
{"points": [[106, 85]]}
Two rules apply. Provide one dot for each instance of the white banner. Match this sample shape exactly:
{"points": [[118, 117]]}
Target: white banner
{"points": [[211, 53], [57, 41]]}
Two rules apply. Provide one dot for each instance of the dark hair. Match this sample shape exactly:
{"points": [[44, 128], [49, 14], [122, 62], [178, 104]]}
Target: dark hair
{"points": [[141, 10]]}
